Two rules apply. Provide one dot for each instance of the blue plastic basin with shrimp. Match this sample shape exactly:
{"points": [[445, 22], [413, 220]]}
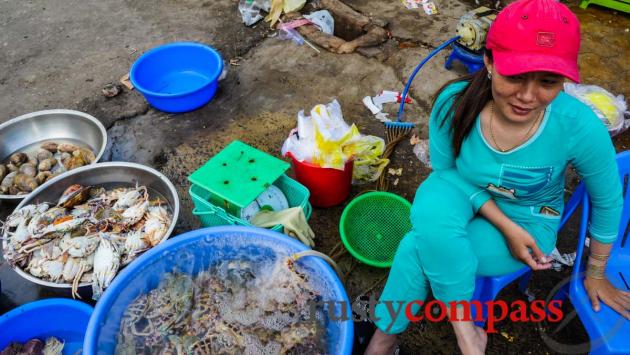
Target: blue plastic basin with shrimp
{"points": [[62, 318], [198, 250], [177, 77]]}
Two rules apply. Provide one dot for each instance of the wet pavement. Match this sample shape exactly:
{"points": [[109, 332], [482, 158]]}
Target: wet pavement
{"points": [[61, 57]]}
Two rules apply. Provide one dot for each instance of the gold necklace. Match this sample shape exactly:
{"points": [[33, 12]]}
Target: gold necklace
{"points": [[521, 141]]}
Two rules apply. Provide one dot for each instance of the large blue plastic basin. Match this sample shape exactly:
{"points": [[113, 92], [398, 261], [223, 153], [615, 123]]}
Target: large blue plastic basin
{"points": [[62, 318], [197, 250], [177, 77]]}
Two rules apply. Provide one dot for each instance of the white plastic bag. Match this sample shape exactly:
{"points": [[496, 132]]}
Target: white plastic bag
{"points": [[250, 10], [323, 19], [421, 150], [606, 106]]}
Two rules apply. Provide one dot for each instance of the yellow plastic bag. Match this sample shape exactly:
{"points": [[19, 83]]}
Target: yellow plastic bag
{"points": [[293, 5], [331, 133], [366, 152], [275, 12], [280, 6], [606, 105]]}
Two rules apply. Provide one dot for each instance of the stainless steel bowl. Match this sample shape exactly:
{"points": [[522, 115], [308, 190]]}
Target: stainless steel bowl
{"points": [[50, 125], [109, 175]]}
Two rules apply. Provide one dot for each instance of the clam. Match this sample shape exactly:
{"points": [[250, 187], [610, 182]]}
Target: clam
{"points": [[74, 195], [28, 169], [46, 164], [43, 176], [12, 167], [44, 154], [4, 190], [85, 154], [67, 147], [74, 162], [25, 182], [50, 146], [8, 180], [3, 171], [18, 158], [31, 159]]}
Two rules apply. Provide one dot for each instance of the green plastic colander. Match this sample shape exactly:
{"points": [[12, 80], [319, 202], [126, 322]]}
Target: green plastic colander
{"points": [[372, 226]]}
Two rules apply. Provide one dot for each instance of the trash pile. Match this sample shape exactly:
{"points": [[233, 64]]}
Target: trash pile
{"points": [[326, 140]]}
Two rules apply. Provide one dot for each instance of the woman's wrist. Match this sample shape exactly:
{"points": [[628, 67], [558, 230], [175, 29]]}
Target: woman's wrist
{"points": [[596, 266]]}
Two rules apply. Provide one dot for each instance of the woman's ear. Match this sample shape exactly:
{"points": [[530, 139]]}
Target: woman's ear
{"points": [[488, 63]]}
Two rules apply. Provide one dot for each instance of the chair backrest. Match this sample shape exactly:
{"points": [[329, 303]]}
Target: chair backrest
{"points": [[622, 244]]}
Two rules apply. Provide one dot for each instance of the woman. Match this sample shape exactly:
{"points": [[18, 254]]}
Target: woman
{"points": [[500, 143]]}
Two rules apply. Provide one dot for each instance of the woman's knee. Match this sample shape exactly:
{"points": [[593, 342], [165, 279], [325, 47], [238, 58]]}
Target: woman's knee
{"points": [[438, 204]]}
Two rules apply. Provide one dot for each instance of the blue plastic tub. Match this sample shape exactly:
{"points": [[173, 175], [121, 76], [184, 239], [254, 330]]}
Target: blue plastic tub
{"points": [[62, 318], [177, 77], [195, 251]]}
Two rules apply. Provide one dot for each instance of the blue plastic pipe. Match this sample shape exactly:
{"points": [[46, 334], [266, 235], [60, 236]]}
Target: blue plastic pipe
{"points": [[415, 71]]}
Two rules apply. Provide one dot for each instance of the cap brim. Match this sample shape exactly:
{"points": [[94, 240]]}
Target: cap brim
{"points": [[509, 63]]}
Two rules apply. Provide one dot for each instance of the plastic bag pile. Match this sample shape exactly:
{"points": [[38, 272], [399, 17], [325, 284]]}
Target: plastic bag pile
{"points": [[609, 108], [326, 140]]}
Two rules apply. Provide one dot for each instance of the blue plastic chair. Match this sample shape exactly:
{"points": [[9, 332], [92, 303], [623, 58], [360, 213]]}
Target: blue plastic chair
{"points": [[487, 288], [609, 332], [472, 62]]}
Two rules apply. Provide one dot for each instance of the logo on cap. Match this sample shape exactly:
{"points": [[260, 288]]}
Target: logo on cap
{"points": [[546, 39]]}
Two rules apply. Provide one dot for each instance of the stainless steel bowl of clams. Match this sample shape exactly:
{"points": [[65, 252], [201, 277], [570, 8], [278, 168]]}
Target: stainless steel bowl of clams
{"points": [[38, 146], [81, 228]]}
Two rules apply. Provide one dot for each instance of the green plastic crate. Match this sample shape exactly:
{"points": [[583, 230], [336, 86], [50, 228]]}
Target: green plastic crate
{"points": [[211, 215], [237, 175]]}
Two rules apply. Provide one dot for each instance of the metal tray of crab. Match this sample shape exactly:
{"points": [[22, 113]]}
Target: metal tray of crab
{"points": [[81, 228]]}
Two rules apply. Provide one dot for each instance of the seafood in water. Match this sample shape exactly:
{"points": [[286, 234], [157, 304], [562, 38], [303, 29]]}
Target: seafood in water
{"points": [[32, 170], [82, 238], [52, 346], [219, 311]]}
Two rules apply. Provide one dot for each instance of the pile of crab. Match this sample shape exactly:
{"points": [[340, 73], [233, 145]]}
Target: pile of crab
{"points": [[234, 307], [86, 237]]}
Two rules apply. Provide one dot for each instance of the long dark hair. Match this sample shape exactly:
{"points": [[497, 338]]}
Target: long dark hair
{"points": [[467, 104]]}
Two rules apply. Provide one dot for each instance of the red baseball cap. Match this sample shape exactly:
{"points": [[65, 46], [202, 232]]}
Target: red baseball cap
{"points": [[535, 35]]}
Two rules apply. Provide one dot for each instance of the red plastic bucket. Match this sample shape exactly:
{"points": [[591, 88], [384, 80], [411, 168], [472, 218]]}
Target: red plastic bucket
{"points": [[328, 187]]}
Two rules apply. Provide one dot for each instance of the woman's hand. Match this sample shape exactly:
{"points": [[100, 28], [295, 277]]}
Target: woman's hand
{"points": [[520, 242], [602, 289]]}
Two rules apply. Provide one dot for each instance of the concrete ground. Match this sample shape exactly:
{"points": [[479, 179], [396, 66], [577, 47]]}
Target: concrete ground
{"points": [[60, 54]]}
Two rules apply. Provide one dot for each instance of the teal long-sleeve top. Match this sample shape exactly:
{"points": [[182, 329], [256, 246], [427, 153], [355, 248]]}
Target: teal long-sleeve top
{"points": [[527, 183]]}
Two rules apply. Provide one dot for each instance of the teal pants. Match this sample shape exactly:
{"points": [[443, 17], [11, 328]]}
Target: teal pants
{"points": [[447, 248]]}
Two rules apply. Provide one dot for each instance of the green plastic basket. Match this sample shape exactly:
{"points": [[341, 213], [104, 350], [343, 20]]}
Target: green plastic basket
{"points": [[211, 215], [372, 226]]}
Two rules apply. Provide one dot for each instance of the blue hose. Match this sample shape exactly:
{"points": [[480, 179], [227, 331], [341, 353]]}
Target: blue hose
{"points": [[415, 71]]}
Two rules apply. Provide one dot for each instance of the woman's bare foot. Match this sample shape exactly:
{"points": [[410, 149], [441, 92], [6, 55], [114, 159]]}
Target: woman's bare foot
{"points": [[471, 341], [381, 344]]}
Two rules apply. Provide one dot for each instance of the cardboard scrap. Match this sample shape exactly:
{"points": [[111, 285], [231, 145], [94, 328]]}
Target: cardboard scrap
{"points": [[126, 81]]}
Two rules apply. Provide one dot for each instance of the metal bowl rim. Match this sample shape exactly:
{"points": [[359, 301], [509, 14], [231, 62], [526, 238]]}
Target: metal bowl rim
{"points": [[56, 111], [26, 200]]}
